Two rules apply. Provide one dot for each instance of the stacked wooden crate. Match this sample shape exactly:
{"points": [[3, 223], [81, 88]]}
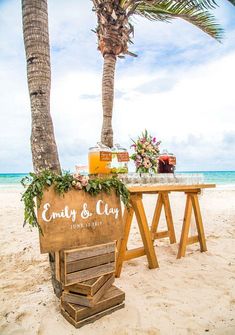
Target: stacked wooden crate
{"points": [[87, 275]]}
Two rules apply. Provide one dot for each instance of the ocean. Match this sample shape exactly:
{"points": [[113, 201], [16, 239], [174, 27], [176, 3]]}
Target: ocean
{"points": [[221, 178]]}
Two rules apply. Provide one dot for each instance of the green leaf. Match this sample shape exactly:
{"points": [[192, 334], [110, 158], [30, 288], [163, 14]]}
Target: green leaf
{"points": [[190, 11], [88, 187]]}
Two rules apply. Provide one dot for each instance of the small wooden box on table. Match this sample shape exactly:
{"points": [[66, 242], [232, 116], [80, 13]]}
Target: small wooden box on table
{"points": [[87, 275]]}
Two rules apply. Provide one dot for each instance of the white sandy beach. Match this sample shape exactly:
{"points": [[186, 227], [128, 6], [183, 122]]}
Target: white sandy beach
{"points": [[193, 295]]}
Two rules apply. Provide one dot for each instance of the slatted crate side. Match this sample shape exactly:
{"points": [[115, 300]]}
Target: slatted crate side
{"points": [[91, 319], [112, 297], [75, 262], [89, 262], [84, 287], [76, 299], [62, 272], [97, 285], [81, 253], [100, 293], [87, 300], [89, 287], [79, 276]]}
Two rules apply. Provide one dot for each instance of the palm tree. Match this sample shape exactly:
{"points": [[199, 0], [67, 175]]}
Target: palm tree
{"points": [[43, 145], [36, 41], [114, 32]]}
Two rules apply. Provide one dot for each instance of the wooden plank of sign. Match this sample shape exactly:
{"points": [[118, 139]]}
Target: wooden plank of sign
{"points": [[114, 296], [92, 318], [87, 300], [81, 253], [89, 287], [78, 219], [79, 276]]}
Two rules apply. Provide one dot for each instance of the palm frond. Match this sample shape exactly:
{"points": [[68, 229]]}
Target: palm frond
{"points": [[165, 10], [206, 4], [203, 4]]}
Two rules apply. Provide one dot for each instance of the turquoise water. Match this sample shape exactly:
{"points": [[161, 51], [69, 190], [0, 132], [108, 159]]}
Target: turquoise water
{"points": [[12, 180], [216, 177]]}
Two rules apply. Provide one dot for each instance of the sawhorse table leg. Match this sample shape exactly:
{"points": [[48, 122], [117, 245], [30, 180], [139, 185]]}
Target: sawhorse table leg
{"points": [[192, 203], [147, 249], [163, 201], [122, 246]]}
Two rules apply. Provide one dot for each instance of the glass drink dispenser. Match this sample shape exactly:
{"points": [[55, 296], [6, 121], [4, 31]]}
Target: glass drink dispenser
{"points": [[99, 159], [166, 162], [120, 159], [123, 159]]}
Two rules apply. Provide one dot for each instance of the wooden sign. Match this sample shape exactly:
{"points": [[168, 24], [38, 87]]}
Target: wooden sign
{"points": [[78, 219], [105, 156], [123, 157]]}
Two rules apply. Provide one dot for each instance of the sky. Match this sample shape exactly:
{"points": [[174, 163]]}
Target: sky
{"points": [[180, 88]]}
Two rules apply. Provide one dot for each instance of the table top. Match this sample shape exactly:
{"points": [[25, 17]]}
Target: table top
{"points": [[148, 188]]}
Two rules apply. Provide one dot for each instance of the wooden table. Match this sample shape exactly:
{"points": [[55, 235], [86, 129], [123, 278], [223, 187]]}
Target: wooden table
{"points": [[149, 235]]}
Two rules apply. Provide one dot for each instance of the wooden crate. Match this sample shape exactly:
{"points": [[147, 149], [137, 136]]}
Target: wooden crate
{"points": [[78, 265], [87, 300], [113, 297], [90, 319], [89, 287]]}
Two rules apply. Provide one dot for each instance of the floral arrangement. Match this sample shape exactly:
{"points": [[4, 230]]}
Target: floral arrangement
{"points": [[146, 153], [79, 181], [36, 184]]}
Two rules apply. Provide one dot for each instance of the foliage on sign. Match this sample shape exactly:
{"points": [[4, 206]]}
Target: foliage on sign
{"points": [[36, 184]]}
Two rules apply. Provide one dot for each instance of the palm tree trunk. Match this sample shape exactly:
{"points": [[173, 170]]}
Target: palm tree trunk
{"points": [[107, 99], [36, 40], [43, 145]]}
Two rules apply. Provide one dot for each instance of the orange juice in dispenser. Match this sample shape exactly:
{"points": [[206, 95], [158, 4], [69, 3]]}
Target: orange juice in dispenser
{"points": [[99, 159]]}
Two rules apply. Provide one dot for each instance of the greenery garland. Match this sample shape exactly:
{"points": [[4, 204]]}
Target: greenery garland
{"points": [[36, 184]]}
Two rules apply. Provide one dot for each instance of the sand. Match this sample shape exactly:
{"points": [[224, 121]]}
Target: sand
{"points": [[193, 295]]}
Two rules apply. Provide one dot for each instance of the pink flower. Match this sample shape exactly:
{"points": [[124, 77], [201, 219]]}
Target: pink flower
{"points": [[78, 186], [147, 163], [77, 176], [84, 180]]}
